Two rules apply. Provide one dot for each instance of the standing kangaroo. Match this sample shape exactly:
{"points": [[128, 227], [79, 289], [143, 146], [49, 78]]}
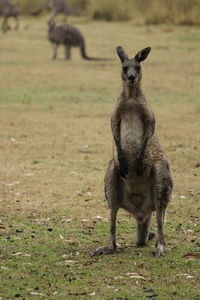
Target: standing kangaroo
{"points": [[68, 36], [7, 10], [56, 7], [138, 179]]}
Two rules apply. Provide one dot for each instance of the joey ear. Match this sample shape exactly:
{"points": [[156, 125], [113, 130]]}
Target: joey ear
{"points": [[121, 53], [142, 55]]}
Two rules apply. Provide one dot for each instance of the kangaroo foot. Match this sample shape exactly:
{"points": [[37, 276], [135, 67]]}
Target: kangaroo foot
{"points": [[141, 244], [103, 250], [159, 251]]}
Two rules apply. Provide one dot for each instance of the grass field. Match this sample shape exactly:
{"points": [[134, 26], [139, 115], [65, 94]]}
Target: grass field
{"points": [[55, 143]]}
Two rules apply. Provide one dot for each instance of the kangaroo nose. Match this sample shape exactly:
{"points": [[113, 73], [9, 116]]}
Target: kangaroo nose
{"points": [[131, 77]]}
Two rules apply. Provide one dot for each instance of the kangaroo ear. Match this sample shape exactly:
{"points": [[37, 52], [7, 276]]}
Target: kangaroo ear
{"points": [[142, 55], [121, 53]]}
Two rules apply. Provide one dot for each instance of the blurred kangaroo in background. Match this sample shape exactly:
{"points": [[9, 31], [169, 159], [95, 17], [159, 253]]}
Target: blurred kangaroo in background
{"points": [[7, 10], [68, 36], [56, 7], [138, 177]]}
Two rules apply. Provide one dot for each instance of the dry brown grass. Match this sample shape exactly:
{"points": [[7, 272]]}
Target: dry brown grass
{"points": [[140, 11], [55, 143], [51, 158], [57, 124]]}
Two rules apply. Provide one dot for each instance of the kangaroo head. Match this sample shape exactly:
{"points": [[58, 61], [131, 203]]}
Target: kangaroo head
{"points": [[51, 25], [131, 69]]}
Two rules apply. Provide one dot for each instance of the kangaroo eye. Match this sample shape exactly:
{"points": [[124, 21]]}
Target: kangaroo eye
{"points": [[137, 69], [125, 69]]}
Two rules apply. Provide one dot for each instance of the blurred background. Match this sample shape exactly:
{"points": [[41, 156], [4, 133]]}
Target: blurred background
{"points": [[180, 12]]}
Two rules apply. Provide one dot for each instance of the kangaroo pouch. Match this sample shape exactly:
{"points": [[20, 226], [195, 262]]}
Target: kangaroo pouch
{"points": [[138, 197]]}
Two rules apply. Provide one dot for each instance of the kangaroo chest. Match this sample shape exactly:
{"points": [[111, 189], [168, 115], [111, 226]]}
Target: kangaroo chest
{"points": [[131, 133]]}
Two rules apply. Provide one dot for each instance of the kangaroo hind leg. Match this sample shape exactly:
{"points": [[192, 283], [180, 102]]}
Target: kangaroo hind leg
{"points": [[55, 49], [162, 192], [143, 234], [67, 52], [5, 26], [112, 193]]}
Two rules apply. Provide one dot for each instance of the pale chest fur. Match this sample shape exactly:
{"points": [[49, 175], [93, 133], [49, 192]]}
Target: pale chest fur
{"points": [[131, 133]]}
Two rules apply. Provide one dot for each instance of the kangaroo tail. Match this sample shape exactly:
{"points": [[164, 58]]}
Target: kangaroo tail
{"points": [[85, 56]]}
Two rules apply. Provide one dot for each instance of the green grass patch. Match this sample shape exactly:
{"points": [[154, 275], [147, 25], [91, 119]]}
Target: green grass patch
{"points": [[50, 257]]}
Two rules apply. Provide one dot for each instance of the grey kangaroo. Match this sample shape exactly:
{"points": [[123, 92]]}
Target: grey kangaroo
{"points": [[56, 7], [7, 10], [68, 36], [138, 179]]}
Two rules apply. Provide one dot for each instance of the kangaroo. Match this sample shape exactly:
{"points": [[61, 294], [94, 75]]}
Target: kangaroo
{"points": [[56, 7], [138, 178], [7, 10], [68, 36]]}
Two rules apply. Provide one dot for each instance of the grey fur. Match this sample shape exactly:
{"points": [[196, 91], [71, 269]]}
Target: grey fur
{"points": [[7, 10], [68, 36], [56, 7], [138, 178]]}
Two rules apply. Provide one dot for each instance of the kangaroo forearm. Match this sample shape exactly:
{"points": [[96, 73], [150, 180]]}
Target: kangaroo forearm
{"points": [[149, 129], [115, 126], [120, 153], [116, 136], [149, 122], [123, 164], [148, 133]]}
